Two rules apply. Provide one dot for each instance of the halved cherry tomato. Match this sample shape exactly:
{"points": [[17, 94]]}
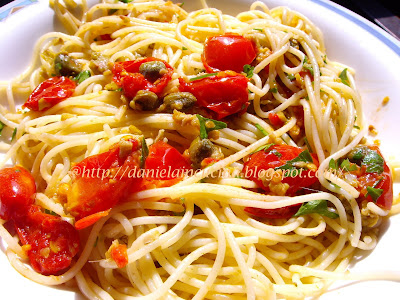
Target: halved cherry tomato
{"points": [[376, 180], [49, 93], [126, 75], [224, 93], [275, 120], [17, 189], [228, 52], [119, 254], [52, 241], [270, 159], [165, 166], [100, 181]]}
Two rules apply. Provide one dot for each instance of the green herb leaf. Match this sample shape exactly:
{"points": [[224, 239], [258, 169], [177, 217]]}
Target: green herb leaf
{"points": [[265, 148], [14, 134], [82, 76], [308, 145], [356, 127], [343, 77], [258, 29], [346, 165], [318, 207], [145, 153], [58, 67], [112, 11], [276, 152], [203, 76], [333, 164], [207, 125], [184, 48], [290, 76], [324, 59], [262, 130], [248, 69], [2, 125], [50, 212], [304, 156], [181, 5], [373, 161], [126, 1], [308, 66], [374, 193], [273, 90]]}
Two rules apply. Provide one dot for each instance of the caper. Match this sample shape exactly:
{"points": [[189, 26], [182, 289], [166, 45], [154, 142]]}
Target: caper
{"points": [[145, 100], [152, 69], [200, 149], [64, 65], [179, 101], [358, 153]]}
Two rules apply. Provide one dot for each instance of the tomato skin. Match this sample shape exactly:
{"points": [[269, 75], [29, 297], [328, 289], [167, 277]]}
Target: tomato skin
{"points": [[17, 191], [100, 181], [126, 75], [49, 93], [165, 157], [224, 94], [228, 52], [365, 179], [275, 120], [162, 161], [53, 241], [262, 160], [119, 254]]}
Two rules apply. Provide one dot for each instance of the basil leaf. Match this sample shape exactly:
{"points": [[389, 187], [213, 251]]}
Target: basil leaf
{"points": [[346, 165], [2, 125], [248, 69], [374, 193], [318, 207], [82, 76], [203, 76], [262, 130], [343, 77], [333, 164], [304, 156], [205, 127], [265, 148], [373, 161], [145, 153]]}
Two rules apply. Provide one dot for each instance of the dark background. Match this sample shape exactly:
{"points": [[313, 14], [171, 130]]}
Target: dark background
{"points": [[384, 13]]}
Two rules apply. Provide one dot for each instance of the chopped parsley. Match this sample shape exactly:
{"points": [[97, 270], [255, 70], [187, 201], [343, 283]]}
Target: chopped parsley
{"points": [[2, 125], [82, 76], [262, 130], [273, 90], [276, 153], [203, 76], [258, 29], [248, 69], [184, 48], [264, 148], [207, 125], [343, 77], [50, 212], [290, 76], [318, 207], [14, 134], [374, 193], [307, 66], [304, 156], [145, 152]]}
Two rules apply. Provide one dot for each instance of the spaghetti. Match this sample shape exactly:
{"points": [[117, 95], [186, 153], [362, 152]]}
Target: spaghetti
{"points": [[146, 77]]}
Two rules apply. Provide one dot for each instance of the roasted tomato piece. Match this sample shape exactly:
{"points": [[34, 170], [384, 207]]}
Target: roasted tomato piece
{"points": [[224, 93], [165, 166], [150, 74], [262, 169], [228, 52], [275, 120], [17, 191], [374, 174], [52, 242], [119, 254], [49, 93], [100, 181]]}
